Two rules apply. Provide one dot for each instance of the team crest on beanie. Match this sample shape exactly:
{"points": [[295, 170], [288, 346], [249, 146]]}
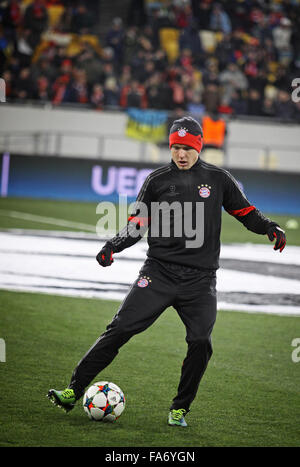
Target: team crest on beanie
{"points": [[187, 131], [182, 132]]}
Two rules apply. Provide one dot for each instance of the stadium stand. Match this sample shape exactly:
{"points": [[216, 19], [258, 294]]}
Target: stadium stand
{"points": [[236, 57]]}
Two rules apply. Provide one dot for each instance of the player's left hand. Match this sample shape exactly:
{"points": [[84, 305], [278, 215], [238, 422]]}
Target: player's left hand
{"points": [[105, 256], [279, 234]]}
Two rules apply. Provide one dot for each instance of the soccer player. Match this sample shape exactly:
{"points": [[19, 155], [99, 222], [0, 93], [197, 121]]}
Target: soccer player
{"points": [[180, 269]]}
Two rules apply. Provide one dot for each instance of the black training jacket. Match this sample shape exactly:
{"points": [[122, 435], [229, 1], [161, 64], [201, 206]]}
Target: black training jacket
{"points": [[193, 223]]}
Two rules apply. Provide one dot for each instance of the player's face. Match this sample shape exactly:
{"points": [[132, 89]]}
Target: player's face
{"points": [[184, 156]]}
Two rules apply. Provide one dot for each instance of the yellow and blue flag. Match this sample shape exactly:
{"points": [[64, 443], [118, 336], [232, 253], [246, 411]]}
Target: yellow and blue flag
{"points": [[147, 125]]}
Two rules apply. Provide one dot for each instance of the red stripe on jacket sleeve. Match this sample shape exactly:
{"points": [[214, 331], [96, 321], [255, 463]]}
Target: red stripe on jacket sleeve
{"points": [[142, 221], [241, 212]]}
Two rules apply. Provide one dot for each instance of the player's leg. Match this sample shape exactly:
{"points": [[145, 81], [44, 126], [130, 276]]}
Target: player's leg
{"points": [[197, 307], [148, 297]]}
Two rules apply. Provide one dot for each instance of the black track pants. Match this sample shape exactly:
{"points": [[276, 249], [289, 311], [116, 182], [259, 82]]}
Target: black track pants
{"points": [[193, 295]]}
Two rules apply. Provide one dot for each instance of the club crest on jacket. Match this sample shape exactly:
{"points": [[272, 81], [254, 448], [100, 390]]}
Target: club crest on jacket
{"points": [[144, 281], [204, 191]]}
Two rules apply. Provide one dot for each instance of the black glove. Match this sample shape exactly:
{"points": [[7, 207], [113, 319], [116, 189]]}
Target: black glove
{"points": [[104, 257], [279, 234]]}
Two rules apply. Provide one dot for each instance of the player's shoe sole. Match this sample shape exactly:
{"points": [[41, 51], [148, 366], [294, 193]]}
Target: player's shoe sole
{"points": [[56, 397]]}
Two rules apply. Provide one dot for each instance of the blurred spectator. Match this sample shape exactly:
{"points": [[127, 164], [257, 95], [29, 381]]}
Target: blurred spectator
{"points": [[11, 20], [89, 61], [82, 21], [24, 50], [211, 73], [257, 80], [152, 35], [107, 72], [160, 59], [35, 21], [43, 91], [224, 51], [44, 67], [237, 38], [238, 12], [282, 78], [114, 38], [148, 71], [219, 20], [60, 87], [125, 76], [13, 66], [178, 93], [11, 14], [182, 13], [190, 39], [282, 40], [137, 64], [130, 44], [238, 103], [284, 107], [108, 56], [65, 22], [268, 107], [97, 97], [202, 13], [246, 68], [186, 61], [211, 97], [254, 103], [158, 19], [232, 79], [66, 68], [188, 83], [78, 89], [194, 93], [7, 76], [60, 54], [24, 85], [261, 29], [256, 16], [214, 130], [111, 92], [133, 95], [145, 44], [60, 90], [159, 93], [269, 51]]}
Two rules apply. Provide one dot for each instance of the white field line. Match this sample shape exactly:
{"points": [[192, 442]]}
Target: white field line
{"points": [[100, 232], [47, 220]]}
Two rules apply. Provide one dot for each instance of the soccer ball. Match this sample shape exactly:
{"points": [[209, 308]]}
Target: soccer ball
{"points": [[104, 402]]}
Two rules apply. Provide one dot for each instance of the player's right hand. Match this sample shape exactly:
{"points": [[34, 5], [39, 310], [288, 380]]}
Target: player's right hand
{"points": [[279, 235], [105, 256]]}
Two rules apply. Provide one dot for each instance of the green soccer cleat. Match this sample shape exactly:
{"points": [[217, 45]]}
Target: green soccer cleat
{"points": [[64, 399], [176, 417]]}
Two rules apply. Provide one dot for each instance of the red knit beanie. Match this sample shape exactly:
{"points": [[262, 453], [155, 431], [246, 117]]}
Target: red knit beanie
{"points": [[186, 131]]}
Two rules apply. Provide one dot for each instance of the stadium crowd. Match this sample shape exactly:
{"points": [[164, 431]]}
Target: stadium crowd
{"points": [[236, 57]]}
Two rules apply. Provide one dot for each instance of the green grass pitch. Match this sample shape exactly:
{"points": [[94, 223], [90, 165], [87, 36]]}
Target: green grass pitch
{"points": [[249, 395]]}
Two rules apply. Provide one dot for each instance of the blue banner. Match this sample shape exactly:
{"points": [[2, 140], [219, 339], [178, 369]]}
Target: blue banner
{"points": [[89, 180]]}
